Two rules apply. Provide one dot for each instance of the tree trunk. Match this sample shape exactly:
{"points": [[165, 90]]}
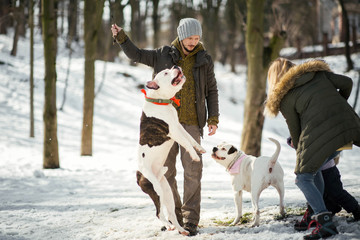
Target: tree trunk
{"points": [[211, 30], [138, 28], [72, 22], [232, 24], [180, 9], [258, 59], [19, 16], [346, 25], [256, 84], [61, 9], [93, 10], [67, 78], [5, 16], [51, 153], [31, 25], [40, 18], [156, 23], [135, 21], [117, 12]]}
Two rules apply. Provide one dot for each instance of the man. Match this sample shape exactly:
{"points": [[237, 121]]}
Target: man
{"points": [[199, 104]]}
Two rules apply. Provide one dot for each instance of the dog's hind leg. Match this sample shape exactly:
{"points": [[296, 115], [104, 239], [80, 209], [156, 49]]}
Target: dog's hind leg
{"points": [[255, 195], [155, 180], [238, 205], [147, 187], [169, 203], [280, 188]]}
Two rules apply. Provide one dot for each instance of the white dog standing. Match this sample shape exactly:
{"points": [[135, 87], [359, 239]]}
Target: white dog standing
{"points": [[252, 175], [159, 129]]}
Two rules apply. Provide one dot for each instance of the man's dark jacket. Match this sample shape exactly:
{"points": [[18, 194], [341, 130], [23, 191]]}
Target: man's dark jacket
{"points": [[168, 56]]}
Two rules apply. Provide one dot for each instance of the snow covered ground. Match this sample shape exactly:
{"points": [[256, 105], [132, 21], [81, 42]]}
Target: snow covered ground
{"points": [[97, 197]]}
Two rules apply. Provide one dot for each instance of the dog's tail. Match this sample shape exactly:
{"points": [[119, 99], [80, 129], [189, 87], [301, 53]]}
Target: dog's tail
{"points": [[275, 156]]}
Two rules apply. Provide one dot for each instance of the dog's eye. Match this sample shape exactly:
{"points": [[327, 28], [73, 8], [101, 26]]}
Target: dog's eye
{"points": [[166, 73], [223, 149]]}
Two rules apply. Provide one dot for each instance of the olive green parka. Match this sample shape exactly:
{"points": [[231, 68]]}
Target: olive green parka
{"points": [[313, 101]]}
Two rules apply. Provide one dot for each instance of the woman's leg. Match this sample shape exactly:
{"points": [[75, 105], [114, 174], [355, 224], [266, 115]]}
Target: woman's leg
{"points": [[312, 186]]}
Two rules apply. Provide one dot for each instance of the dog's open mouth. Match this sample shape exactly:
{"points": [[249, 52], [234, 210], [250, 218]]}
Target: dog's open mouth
{"points": [[179, 77], [216, 157]]}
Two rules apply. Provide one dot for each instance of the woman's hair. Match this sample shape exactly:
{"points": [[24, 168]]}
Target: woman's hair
{"points": [[277, 69]]}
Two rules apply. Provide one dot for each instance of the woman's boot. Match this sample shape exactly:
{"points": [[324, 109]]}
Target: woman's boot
{"points": [[303, 224], [324, 226]]}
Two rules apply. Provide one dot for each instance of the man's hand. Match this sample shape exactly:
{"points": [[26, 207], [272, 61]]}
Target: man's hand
{"points": [[212, 129], [115, 29]]}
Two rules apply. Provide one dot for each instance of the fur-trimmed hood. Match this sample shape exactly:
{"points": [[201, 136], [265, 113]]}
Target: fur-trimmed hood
{"points": [[296, 76]]}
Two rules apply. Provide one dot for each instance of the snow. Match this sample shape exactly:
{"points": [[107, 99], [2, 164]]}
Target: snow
{"points": [[97, 197]]}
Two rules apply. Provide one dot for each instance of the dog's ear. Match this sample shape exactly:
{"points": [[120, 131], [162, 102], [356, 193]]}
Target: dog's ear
{"points": [[232, 150], [152, 85]]}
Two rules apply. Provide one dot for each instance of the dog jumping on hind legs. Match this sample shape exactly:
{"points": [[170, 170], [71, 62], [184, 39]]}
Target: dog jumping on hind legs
{"points": [[159, 128], [251, 174]]}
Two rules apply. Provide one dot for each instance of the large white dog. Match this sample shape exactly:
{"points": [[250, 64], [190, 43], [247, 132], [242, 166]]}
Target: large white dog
{"points": [[252, 175], [159, 128]]}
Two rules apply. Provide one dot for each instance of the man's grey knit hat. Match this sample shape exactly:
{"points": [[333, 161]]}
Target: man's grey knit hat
{"points": [[188, 27]]}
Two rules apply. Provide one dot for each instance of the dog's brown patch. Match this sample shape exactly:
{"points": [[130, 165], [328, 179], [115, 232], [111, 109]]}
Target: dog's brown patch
{"points": [[153, 131]]}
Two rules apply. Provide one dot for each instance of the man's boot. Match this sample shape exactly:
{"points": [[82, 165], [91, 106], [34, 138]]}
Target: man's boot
{"points": [[303, 224], [324, 226]]}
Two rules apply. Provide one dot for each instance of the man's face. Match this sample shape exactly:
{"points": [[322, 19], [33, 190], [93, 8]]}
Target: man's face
{"points": [[188, 44]]}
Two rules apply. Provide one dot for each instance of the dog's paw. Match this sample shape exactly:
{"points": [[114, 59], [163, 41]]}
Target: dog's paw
{"points": [[255, 224], [200, 149], [185, 233], [236, 221]]}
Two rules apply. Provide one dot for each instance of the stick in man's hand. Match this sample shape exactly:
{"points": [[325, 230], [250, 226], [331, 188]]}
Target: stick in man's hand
{"points": [[114, 38]]}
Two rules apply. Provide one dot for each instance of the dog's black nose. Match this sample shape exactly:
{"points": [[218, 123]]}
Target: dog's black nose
{"points": [[215, 149]]}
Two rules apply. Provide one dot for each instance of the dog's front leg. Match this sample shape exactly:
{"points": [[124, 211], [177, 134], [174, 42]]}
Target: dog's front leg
{"points": [[196, 145], [183, 138], [238, 205]]}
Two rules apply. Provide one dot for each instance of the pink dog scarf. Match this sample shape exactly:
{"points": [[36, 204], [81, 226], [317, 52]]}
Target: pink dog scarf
{"points": [[235, 167]]}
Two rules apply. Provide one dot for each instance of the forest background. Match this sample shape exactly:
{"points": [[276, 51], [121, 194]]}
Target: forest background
{"points": [[251, 32], [64, 49]]}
